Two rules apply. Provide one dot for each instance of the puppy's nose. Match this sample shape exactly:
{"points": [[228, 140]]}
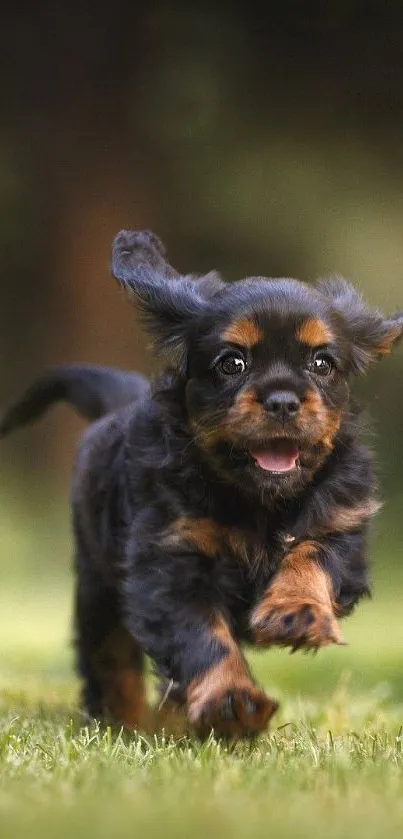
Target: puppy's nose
{"points": [[282, 405]]}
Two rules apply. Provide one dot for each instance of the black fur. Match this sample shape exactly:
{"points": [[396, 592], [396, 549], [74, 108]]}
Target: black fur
{"points": [[92, 391], [187, 452]]}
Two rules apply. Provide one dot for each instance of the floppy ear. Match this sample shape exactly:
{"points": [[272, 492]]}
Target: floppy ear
{"points": [[169, 303], [370, 333]]}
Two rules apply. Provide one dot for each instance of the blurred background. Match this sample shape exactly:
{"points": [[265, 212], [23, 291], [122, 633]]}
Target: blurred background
{"points": [[253, 142]]}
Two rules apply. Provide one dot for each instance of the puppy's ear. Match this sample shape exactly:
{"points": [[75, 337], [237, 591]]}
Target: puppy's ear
{"points": [[370, 333], [169, 304]]}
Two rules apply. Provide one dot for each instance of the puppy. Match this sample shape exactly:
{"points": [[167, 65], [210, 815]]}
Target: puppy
{"points": [[230, 503]]}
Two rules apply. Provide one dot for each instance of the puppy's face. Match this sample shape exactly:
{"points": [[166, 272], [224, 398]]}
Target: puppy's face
{"points": [[266, 362], [267, 384]]}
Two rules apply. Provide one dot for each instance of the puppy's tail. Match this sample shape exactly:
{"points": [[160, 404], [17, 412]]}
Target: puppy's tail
{"points": [[93, 391]]}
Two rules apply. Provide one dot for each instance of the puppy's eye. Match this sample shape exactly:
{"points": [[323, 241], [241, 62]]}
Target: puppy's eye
{"points": [[322, 364], [232, 364]]}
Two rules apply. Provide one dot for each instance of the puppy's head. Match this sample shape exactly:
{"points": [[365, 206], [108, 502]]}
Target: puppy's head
{"points": [[266, 362]]}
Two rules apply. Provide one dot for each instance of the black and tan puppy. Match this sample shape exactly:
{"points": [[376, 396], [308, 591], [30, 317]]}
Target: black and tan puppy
{"points": [[228, 505]]}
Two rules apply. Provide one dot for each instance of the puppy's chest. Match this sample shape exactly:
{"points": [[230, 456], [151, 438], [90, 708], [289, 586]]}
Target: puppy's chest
{"points": [[251, 550]]}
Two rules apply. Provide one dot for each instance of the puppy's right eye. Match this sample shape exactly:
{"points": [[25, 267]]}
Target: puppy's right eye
{"points": [[232, 364]]}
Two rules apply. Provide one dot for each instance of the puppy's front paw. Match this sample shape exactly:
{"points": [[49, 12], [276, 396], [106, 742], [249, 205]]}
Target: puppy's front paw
{"points": [[307, 625], [233, 713]]}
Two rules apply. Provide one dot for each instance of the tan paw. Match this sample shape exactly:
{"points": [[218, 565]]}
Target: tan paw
{"points": [[302, 625], [234, 713]]}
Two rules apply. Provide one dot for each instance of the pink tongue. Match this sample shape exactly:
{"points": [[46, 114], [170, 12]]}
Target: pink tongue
{"points": [[280, 457]]}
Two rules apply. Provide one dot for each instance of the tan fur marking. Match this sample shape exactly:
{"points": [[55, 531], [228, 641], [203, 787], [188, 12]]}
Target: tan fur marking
{"points": [[386, 346], [312, 408], [202, 534], [246, 406], [315, 333], [246, 415], [301, 572], [207, 693], [344, 519], [210, 538], [315, 413], [244, 332], [333, 425], [122, 682], [300, 584], [231, 669], [245, 547]]}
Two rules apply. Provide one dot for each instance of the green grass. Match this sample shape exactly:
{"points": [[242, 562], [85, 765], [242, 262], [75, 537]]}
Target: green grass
{"points": [[331, 765]]}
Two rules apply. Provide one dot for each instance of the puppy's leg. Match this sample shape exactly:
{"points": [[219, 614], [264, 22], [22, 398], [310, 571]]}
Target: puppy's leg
{"points": [[297, 609], [223, 696], [95, 616], [119, 663], [194, 646], [109, 660]]}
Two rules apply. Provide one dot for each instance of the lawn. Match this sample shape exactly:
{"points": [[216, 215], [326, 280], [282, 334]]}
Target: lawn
{"points": [[331, 765]]}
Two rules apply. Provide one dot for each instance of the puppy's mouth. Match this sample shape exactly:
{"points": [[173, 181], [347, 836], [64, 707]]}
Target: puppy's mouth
{"points": [[278, 456]]}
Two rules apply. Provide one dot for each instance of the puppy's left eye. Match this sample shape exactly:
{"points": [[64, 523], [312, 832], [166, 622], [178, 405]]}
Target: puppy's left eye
{"points": [[322, 364], [232, 364]]}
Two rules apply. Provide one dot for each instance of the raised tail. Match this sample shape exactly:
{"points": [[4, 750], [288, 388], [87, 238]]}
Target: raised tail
{"points": [[93, 391]]}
